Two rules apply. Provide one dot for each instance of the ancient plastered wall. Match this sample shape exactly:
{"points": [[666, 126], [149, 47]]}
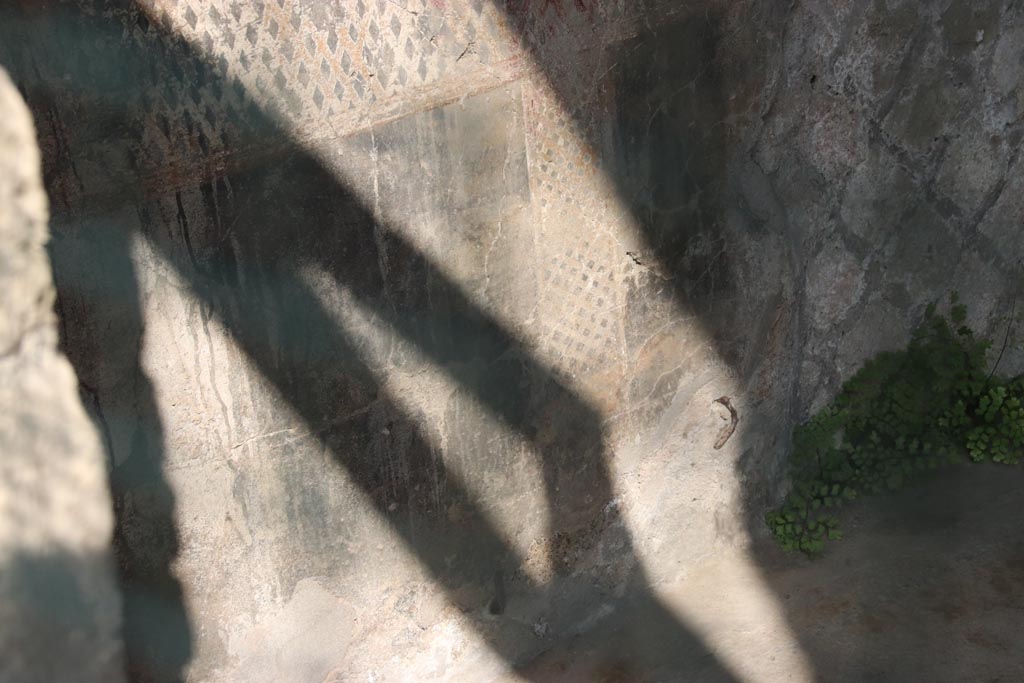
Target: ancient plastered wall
{"points": [[495, 280]]}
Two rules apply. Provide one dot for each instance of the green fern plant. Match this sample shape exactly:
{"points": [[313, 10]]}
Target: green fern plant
{"points": [[903, 413]]}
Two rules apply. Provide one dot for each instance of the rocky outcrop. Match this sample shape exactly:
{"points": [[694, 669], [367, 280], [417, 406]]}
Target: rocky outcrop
{"points": [[59, 607]]}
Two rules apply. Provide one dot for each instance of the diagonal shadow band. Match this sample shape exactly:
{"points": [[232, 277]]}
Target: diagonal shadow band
{"points": [[155, 627], [666, 107], [251, 282]]}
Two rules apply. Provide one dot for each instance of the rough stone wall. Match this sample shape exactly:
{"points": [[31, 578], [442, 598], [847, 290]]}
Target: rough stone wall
{"points": [[59, 607], [405, 319], [893, 143]]}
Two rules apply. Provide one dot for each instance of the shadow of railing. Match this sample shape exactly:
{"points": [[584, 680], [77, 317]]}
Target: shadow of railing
{"points": [[59, 600], [245, 271], [666, 108], [102, 325]]}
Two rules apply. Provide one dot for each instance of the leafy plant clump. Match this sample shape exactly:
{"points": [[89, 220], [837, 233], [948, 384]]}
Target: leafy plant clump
{"points": [[902, 414]]}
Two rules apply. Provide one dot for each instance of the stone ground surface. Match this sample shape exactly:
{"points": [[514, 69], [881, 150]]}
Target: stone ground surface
{"points": [[928, 585]]}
